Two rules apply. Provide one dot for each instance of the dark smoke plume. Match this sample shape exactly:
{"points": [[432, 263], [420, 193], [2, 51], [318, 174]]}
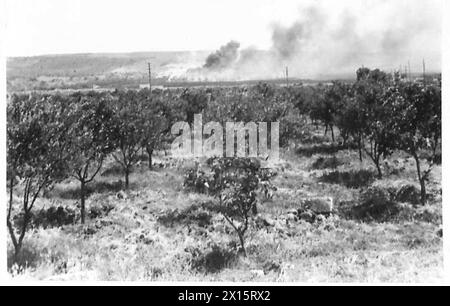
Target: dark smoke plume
{"points": [[223, 57], [323, 42]]}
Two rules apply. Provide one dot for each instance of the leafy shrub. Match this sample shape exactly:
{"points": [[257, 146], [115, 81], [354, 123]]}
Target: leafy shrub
{"points": [[351, 179], [196, 180], [266, 186]]}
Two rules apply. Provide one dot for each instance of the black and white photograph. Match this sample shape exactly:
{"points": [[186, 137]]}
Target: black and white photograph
{"points": [[222, 142]]}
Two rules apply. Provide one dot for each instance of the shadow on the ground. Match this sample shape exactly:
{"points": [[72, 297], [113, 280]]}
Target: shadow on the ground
{"points": [[94, 187], [349, 179], [326, 149]]}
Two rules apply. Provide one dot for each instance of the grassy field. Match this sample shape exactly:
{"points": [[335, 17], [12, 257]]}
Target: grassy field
{"points": [[156, 231]]}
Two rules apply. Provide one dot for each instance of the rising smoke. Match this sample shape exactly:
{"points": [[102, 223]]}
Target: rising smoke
{"points": [[321, 44], [223, 57]]}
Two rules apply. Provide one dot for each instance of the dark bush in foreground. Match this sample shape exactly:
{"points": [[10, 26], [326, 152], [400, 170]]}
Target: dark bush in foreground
{"points": [[352, 179], [212, 261], [326, 163]]}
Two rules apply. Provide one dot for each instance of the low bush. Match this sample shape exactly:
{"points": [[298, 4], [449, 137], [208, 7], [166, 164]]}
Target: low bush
{"points": [[213, 260], [374, 204]]}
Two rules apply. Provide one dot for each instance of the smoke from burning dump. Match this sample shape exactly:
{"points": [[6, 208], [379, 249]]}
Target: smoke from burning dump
{"points": [[323, 43]]}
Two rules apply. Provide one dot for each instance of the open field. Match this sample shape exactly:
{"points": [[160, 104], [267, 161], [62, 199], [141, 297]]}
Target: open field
{"points": [[157, 231]]}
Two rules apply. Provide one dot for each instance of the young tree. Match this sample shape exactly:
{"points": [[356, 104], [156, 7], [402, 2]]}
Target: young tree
{"points": [[157, 119], [36, 152], [372, 113], [235, 184], [416, 124], [325, 108], [129, 130], [89, 139]]}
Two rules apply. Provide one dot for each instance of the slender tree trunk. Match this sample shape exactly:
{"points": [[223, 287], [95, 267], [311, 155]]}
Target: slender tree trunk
{"points": [[19, 243], [11, 192], [241, 239], [376, 161], [360, 147], [150, 158], [380, 173], [423, 191], [332, 133], [83, 202], [9, 223], [344, 138], [127, 178]]}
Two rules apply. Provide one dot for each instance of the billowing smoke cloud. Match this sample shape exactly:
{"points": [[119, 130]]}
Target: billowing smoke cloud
{"points": [[290, 41], [223, 57], [322, 43]]}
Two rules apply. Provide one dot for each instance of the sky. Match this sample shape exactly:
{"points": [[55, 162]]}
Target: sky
{"points": [[37, 27]]}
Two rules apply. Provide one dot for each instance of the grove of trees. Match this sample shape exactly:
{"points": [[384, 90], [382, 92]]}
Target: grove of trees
{"points": [[52, 137]]}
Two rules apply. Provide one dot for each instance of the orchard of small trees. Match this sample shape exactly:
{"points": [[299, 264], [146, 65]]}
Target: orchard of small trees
{"points": [[52, 137]]}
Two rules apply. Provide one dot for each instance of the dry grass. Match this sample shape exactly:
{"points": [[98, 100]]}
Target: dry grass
{"points": [[158, 232]]}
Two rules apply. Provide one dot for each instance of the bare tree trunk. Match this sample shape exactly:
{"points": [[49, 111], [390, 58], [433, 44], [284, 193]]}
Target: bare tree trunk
{"points": [[332, 133], [241, 239], [19, 242], [83, 200], [127, 177], [8, 220], [423, 191], [150, 158], [380, 173], [360, 149]]}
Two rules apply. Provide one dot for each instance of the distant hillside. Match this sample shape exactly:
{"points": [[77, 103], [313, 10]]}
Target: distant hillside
{"points": [[86, 70], [77, 65]]}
